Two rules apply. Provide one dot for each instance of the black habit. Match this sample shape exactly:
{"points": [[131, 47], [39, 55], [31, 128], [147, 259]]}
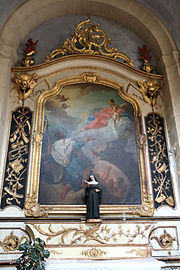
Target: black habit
{"points": [[92, 200]]}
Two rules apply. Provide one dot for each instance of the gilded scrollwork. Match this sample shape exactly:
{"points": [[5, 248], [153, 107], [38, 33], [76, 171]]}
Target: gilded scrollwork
{"points": [[32, 207], [90, 77], [88, 38], [150, 90], [148, 205], [165, 240], [11, 242], [143, 253], [99, 234], [15, 174], [24, 85], [159, 162]]}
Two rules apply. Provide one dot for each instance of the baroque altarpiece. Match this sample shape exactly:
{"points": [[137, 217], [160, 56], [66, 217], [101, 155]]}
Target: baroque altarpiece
{"points": [[85, 110]]}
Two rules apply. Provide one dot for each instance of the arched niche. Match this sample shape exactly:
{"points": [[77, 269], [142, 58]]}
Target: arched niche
{"points": [[30, 14]]}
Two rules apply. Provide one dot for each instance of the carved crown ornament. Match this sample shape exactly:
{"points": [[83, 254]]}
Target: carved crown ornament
{"points": [[88, 38]]}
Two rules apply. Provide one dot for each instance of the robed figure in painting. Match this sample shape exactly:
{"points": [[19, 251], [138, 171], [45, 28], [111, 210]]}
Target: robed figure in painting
{"points": [[92, 199]]}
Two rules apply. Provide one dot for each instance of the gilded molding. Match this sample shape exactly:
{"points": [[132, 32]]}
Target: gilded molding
{"points": [[94, 78], [105, 59], [88, 38], [24, 85]]}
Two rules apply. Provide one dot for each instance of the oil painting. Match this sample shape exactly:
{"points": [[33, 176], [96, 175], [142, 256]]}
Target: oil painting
{"points": [[89, 129]]}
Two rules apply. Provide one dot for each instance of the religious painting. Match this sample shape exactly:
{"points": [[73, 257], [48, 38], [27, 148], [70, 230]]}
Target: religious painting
{"points": [[89, 129]]}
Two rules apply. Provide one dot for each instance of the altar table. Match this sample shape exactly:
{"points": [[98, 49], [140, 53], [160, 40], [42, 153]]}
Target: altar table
{"points": [[123, 264]]}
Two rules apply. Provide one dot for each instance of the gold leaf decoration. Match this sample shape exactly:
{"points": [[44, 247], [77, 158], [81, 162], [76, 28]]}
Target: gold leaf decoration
{"points": [[24, 85], [88, 38], [93, 252], [11, 242]]}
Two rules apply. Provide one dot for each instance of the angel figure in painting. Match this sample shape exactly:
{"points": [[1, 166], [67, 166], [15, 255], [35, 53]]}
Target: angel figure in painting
{"points": [[92, 199], [102, 118]]}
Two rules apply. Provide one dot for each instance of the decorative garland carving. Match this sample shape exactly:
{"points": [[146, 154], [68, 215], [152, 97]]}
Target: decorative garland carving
{"points": [[16, 168], [159, 162], [88, 38], [24, 85]]}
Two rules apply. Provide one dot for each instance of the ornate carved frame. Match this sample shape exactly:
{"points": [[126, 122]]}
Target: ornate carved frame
{"points": [[32, 207]]}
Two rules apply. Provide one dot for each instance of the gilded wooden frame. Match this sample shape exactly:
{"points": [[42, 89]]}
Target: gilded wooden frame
{"points": [[32, 207]]}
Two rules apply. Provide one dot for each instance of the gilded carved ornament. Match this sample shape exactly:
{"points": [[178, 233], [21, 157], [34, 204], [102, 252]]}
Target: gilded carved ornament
{"points": [[37, 138], [144, 54], [88, 38], [144, 253], [93, 252], [90, 77], [29, 51], [159, 163], [148, 205], [24, 85], [11, 242], [32, 207], [150, 90], [17, 159], [98, 233], [165, 240]]}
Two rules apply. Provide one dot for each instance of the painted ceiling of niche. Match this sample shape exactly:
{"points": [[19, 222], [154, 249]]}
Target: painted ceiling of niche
{"points": [[167, 10]]}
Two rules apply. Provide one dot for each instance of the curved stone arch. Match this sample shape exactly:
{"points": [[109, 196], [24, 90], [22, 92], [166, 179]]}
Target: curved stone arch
{"points": [[28, 15]]}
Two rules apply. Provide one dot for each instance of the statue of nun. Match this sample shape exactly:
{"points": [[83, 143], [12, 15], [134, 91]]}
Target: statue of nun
{"points": [[92, 199]]}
